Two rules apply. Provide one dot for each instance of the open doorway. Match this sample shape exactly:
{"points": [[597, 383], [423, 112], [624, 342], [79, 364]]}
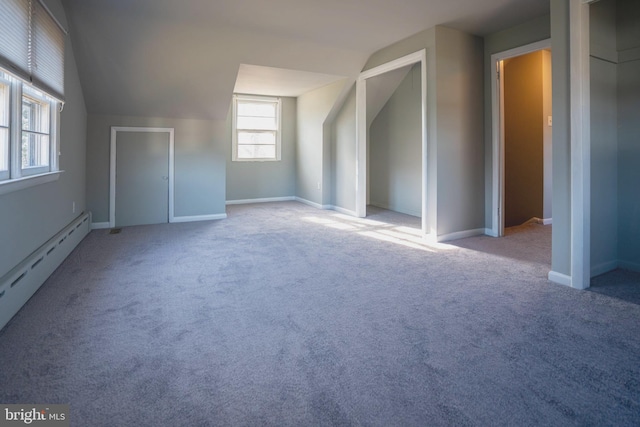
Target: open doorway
{"points": [[365, 91], [522, 137], [394, 145]]}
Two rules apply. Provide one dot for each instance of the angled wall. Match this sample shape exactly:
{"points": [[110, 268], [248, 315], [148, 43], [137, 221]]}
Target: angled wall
{"points": [[312, 140]]}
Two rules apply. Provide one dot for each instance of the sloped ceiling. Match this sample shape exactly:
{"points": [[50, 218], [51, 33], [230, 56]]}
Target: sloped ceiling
{"points": [[171, 58]]}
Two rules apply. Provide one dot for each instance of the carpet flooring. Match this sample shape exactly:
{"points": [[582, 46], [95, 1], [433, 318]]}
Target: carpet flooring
{"points": [[287, 315]]}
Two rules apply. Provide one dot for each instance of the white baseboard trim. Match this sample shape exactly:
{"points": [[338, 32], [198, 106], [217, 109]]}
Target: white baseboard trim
{"points": [[460, 235], [261, 200], [314, 204], [99, 225], [547, 221], [343, 211], [603, 267], [490, 232], [388, 207], [633, 266], [195, 218], [559, 278]]}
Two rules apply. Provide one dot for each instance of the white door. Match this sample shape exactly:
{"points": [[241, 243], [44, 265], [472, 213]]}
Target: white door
{"points": [[142, 178]]}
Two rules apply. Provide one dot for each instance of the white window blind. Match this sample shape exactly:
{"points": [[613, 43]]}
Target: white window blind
{"points": [[32, 45], [14, 36]]}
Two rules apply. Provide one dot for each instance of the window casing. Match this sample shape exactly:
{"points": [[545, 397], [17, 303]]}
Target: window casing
{"points": [[28, 130], [5, 93], [256, 128]]}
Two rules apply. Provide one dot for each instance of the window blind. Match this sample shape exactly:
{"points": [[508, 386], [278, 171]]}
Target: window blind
{"points": [[14, 37], [32, 45]]}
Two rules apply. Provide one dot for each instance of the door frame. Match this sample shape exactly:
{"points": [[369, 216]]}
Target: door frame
{"points": [[497, 129], [428, 209], [112, 170]]}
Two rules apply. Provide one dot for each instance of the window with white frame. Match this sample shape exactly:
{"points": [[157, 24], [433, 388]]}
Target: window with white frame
{"points": [[5, 92], [28, 130], [31, 90], [256, 128]]}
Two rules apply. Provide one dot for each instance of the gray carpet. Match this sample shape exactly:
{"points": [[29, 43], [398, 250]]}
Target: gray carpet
{"points": [[287, 315]]}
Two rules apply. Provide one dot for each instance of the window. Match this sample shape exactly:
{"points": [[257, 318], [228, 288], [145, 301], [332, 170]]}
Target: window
{"points": [[28, 130], [31, 92], [4, 126], [256, 128]]}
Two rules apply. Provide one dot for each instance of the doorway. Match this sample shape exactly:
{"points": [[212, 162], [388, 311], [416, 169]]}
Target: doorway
{"points": [[522, 137], [141, 178], [365, 81]]}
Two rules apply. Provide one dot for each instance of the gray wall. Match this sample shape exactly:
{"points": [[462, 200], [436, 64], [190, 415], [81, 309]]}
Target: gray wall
{"points": [[460, 146], [454, 125], [30, 217], [526, 33], [523, 130], [395, 149], [343, 155], [201, 149], [628, 76], [256, 180], [604, 137], [561, 233], [312, 136]]}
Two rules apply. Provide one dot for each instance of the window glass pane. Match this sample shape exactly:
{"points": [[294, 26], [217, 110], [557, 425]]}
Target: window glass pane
{"points": [[4, 149], [4, 103], [35, 150], [256, 138], [256, 151], [256, 109], [257, 123], [35, 115]]}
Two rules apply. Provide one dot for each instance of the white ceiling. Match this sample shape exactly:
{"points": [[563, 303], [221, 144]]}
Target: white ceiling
{"points": [[258, 80], [181, 58]]}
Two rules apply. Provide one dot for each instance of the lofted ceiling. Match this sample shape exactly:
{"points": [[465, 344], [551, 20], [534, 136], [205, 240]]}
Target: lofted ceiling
{"points": [[169, 58]]}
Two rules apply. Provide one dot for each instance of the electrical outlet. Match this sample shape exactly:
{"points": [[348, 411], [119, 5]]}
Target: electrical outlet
{"points": [[73, 207], [318, 185]]}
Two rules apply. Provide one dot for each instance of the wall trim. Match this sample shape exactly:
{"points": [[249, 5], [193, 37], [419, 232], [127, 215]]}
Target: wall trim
{"points": [[314, 204], [490, 232], [603, 267], [343, 211], [112, 170], [497, 129], [99, 225], [429, 209], [626, 265], [460, 235], [580, 144], [11, 185], [194, 218], [261, 200], [559, 278]]}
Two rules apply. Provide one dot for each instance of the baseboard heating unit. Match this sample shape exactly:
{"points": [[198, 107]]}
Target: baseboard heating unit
{"points": [[17, 286]]}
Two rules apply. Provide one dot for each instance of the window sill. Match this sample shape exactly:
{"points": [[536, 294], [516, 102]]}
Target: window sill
{"points": [[12, 185]]}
